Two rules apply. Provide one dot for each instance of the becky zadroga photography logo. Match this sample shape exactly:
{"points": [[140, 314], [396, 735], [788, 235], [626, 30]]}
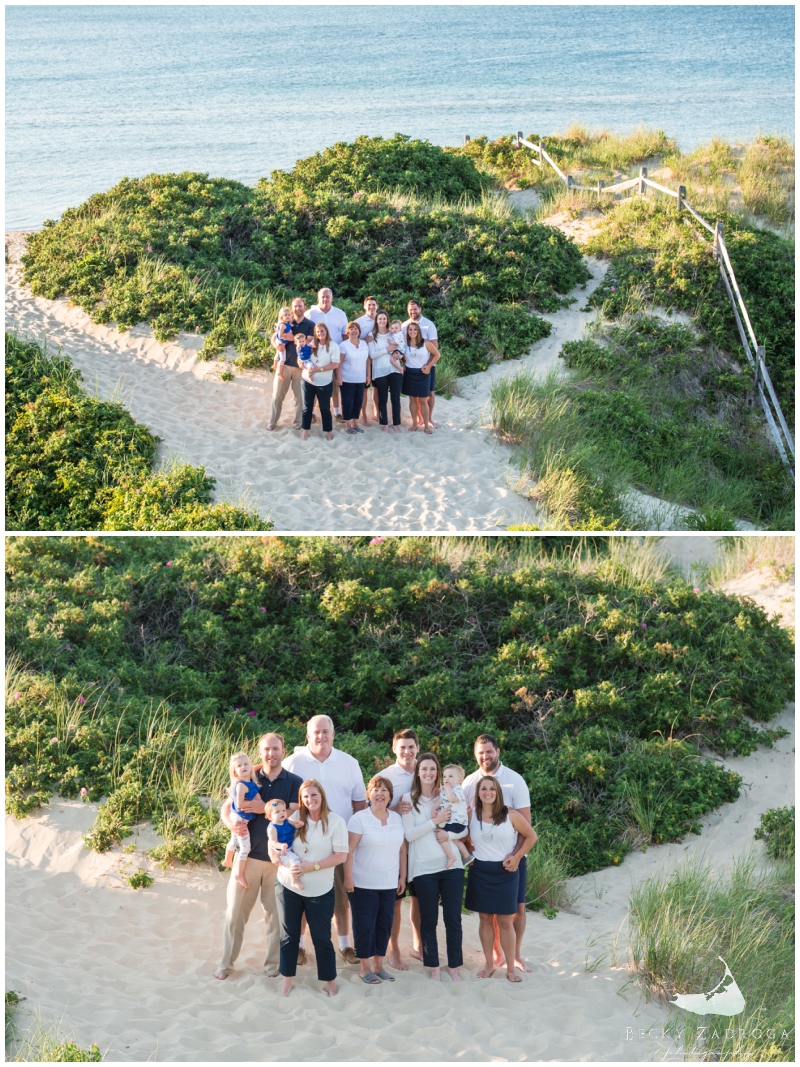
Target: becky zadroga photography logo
{"points": [[724, 999]]}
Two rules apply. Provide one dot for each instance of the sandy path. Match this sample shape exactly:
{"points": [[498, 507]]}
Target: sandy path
{"points": [[459, 479], [132, 970]]}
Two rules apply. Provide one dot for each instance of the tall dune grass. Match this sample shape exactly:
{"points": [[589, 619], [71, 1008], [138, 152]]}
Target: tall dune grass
{"points": [[682, 921]]}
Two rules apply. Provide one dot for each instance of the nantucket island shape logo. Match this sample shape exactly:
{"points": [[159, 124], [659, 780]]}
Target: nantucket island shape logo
{"points": [[724, 999]]}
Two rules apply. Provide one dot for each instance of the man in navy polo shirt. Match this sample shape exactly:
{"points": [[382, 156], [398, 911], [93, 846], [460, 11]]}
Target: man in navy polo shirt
{"points": [[275, 783], [288, 373]]}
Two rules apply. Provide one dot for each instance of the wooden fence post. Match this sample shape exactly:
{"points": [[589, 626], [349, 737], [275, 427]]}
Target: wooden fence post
{"points": [[466, 138], [681, 196], [761, 353], [541, 151], [719, 232], [600, 186], [569, 182], [519, 138], [642, 176]]}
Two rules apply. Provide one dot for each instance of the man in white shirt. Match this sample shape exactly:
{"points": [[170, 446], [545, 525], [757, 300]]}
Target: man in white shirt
{"points": [[405, 745], [367, 324], [516, 795], [341, 778], [429, 333], [336, 321]]}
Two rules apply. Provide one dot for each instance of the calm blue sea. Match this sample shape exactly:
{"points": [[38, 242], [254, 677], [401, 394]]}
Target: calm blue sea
{"points": [[97, 93]]}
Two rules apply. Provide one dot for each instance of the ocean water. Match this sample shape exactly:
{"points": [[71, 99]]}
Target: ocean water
{"points": [[94, 94]]}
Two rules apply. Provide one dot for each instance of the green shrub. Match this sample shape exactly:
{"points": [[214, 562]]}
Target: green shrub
{"points": [[599, 674], [663, 254], [184, 252], [140, 879], [77, 463], [776, 830]]}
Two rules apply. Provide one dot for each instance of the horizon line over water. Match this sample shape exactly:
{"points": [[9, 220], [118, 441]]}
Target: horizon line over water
{"points": [[95, 94]]}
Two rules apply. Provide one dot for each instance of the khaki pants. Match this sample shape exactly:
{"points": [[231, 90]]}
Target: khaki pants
{"points": [[260, 877], [291, 380]]}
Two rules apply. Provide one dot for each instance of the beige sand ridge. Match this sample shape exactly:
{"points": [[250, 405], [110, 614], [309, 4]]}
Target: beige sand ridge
{"points": [[131, 970]]}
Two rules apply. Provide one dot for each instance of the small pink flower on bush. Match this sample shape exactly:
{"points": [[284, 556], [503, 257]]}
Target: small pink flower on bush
{"points": [[169, 562], [237, 709], [644, 625], [53, 740], [84, 791], [197, 329], [613, 288], [696, 590], [263, 609], [81, 700], [472, 619], [349, 702], [252, 714], [69, 648], [149, 249], [17, 696], [376, 541]]}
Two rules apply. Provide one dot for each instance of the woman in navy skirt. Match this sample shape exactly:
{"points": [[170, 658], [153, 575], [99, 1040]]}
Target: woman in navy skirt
{"points": [[421, 356], [493, 884]]}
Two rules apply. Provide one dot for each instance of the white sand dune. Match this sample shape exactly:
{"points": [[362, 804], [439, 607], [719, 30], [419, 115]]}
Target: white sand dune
{"points": [[131, 970]]}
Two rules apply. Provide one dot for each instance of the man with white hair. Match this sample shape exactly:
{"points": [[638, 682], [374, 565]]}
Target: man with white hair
{"points": [[336, 321], [341, 778]]}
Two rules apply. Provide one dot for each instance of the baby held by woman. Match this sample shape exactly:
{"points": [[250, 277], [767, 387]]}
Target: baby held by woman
{"points": [[452, 795]]}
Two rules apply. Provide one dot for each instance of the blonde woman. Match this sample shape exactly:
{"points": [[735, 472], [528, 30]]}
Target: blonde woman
{"points": [[493, 884], [317, 380], [321, 844], [374, 873]]}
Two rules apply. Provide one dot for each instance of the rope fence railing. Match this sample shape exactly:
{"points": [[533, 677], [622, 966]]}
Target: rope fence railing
{"points": [[763, 387]]}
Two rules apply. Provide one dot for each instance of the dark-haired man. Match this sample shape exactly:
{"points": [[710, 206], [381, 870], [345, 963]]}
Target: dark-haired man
{"points": [[274, 783], [288, 374], [516, 795], [405, 745]]}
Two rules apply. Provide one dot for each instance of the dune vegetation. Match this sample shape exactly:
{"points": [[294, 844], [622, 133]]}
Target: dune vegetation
{"points": [[647, 404], [188, 252], [74, 462], [138, 665], [682, 922]]}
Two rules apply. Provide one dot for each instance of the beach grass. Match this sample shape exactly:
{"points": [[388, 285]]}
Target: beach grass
{"points": [[684, 920], [742, 554], [646, 403], [34, 1039]]}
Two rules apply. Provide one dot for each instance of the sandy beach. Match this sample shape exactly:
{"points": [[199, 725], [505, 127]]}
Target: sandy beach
{"points": [[131, 970], [461, 479]]}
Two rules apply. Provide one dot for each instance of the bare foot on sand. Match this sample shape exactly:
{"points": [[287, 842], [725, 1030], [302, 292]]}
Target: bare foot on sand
{"points": [[521, 965], [397, 429], [485, 973], [453, 972], [286, 987], [416, 954], [221, 975], [305, 435], [435, 975], [396, 963], [333, 989]]}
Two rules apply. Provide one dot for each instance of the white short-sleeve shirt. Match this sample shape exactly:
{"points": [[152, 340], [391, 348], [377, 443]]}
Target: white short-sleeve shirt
{"points": [[426, 328], [515, 791], [376, 860], [317, 846], [354, 361], [367, 325], [339, 775], [321, 358], [401, 780], [335, 319]]}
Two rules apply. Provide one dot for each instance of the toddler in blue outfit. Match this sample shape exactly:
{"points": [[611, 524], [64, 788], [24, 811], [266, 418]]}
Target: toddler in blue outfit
{"points": [[282, 828], [242, 788]]}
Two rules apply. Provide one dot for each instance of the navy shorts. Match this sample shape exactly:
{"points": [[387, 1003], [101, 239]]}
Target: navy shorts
{"points": [[454, 827]]}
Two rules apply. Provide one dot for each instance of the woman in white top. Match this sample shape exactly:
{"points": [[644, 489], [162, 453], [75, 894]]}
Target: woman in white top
{"points": [[354, 375], [421, 355], [321, 844], [493, 886], [316, 381], [428, 870], [387, 374], [374, 873]]}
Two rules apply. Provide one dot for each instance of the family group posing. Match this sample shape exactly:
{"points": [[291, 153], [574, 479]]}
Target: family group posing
{"points": [[316, 846], [325, 359]]}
